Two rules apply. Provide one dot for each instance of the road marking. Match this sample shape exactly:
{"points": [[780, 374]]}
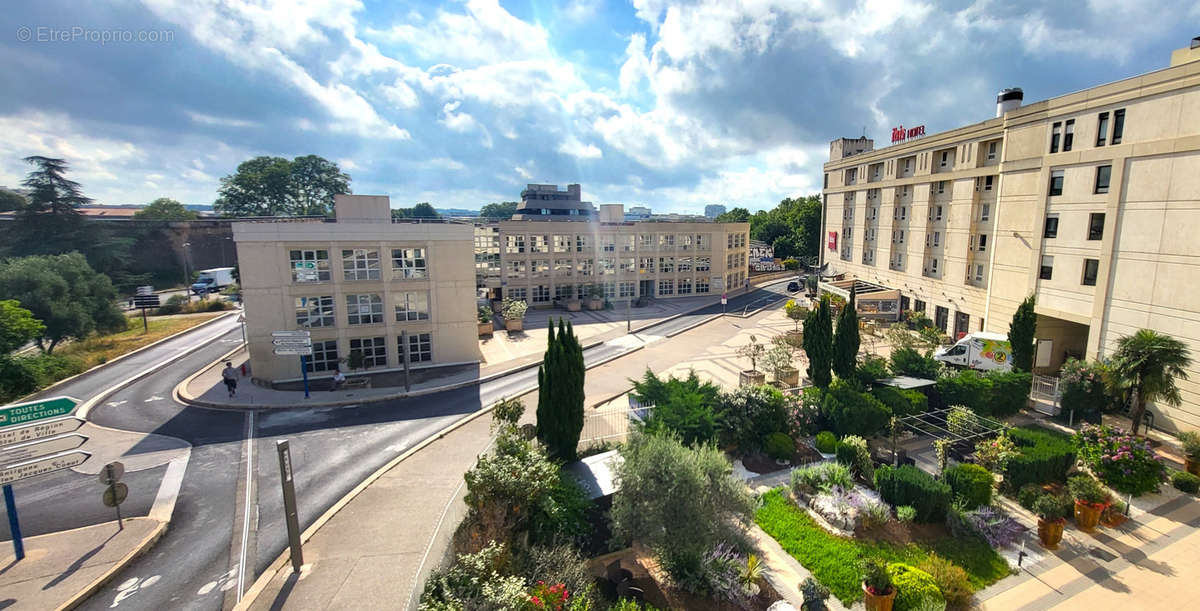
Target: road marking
{"points": [[153, 398], [397, 448], [168, 489], [116, 403], [241, 575], [224, 582], [132, 586]]}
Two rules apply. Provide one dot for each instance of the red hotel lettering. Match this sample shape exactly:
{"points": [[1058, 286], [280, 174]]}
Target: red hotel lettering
{"points": [[899, 134]]}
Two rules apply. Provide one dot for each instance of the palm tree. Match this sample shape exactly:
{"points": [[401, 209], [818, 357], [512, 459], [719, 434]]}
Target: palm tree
{"points": [[1147, 363]]}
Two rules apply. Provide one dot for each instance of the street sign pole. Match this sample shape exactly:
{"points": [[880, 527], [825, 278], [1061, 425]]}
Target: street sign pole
{"points": [[14, 524], [289, 503], [145, 324], [304, 371], [404, 355]]}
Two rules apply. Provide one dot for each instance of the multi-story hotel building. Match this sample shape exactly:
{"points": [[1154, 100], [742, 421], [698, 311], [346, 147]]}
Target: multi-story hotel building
{"points": [[1089, 201], [358, 283], [557, 247]]}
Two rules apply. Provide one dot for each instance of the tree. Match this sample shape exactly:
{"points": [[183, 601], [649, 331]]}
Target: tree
{"points": [[807, 223], [737, 215], [11, 200], [560, 393], [64, 293], [423, 210], [846, 342], [1020, 335], [274, 186], [165, 209], [501, 211], [818, 343], [50, 221], [685, 406], [316, 180], [17, 326], [1147, 363]]}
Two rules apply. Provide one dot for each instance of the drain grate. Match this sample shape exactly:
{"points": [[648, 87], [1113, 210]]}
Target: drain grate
{"points": [[1102, 554]]}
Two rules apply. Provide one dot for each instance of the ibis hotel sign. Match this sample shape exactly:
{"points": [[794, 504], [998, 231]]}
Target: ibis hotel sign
{"points": [[900, 134]]}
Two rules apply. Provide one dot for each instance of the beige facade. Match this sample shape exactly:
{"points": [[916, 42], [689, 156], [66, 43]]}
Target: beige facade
{"points": [[356, 284], [1090, 201], [546, 260]]}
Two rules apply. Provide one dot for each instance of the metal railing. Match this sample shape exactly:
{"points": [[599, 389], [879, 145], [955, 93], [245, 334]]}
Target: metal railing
{"points": [[1046, 390], [613, 423]]}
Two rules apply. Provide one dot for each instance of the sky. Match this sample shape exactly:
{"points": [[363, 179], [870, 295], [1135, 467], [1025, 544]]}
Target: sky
{"points": [[672, 104]]}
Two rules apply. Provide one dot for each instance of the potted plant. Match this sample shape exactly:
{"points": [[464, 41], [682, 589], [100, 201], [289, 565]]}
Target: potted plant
{"points": [[1090, 501], [1191, 451], [814, 593], [485, 321], [595, 298], [779, 360], [574, 305], [796, 312], [752, 351], [877, 586], [514, 314], [1051, 518]]}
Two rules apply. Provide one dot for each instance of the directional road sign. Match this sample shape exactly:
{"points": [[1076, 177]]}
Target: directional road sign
{"points": [[291, 334], [39, 430], [33, 411], [42, 466], [293, 350], [291, 342], [43, 447], [146, 301]]}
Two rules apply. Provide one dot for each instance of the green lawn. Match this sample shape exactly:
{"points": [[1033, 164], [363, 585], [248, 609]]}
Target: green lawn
{"points": [[834, 560]]}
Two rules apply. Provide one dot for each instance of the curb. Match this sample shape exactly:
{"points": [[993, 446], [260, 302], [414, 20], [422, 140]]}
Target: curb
{"points": [[120, 565]]}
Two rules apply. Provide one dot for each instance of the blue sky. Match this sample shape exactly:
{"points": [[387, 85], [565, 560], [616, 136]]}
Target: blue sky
{"points": [[666, 103]]}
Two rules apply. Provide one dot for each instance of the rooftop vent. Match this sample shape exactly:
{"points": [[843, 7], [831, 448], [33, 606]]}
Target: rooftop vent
{"points": [[1008, 99]]}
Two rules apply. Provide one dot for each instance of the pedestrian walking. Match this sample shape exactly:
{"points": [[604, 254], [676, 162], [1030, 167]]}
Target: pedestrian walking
{"points": [[229, 376]]}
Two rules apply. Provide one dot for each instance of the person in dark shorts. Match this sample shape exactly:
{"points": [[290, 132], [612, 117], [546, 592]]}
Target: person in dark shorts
{"points": [[229, 376]]}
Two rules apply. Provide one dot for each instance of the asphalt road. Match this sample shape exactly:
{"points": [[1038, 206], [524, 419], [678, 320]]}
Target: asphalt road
{"points": [[202, 561]]}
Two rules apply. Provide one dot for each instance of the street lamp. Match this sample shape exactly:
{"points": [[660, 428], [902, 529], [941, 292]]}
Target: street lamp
{"points": [[187, 274]]}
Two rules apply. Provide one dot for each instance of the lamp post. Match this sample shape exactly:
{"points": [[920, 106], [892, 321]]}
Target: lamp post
{"points": [[187, 274]]}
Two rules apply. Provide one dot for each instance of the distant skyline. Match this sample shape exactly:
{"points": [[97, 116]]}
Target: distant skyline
{"points": [[670, 104]]}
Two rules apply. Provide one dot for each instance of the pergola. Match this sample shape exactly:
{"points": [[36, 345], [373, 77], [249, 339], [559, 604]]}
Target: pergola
{"points": [[962, 437]]}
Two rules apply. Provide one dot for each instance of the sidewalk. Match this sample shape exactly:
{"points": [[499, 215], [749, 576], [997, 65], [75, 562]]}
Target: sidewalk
{"points": [[62, 569]]}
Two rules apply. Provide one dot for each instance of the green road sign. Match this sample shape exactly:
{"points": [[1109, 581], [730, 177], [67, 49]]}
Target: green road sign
{"points": [[36, 410]]}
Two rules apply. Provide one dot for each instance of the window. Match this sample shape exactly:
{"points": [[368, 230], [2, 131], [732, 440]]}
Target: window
{"points": [[991, 154], [901, 241], [985, 212], [666, 265], [685, 264], [1069, 135], [1047, 269], [941, 186], [581, 243], [903, 213], [627, 289], [412, 306], [938, 213], [364, 309], [666, 241], [539, 268], [514, 244], [1056, 182], [409, 263], [608, 266], [988, 182], [685, 286], [541, 294], [1102, 129], [1118, 125], [314, 311], [610, 290], [945, 159], [1055, 135], [516, 269], [982, 242], [628, 265], [701, 285], [919, 306], [563, 267], [979, 273], [360, 264], [372, 349], [1051, 227], [1096, 226], [703, 264], [309, 265], [646, 241], [562, 243], [538, 243], [516, 292], [941, 317], [1103, 175], [685, 241], [666, 287], [1091, 268], [420, 347], [628, 242], [645, 265], [583, 267], [324, 356], [564, 291], [937, 238], [703, 241], [608, 243], [933, 266]]}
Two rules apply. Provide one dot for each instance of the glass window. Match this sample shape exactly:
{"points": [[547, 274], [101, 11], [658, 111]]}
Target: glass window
{"points": [[364, 309], [562, 243], [372, 349], [1047, 269], [684, 241], [666, 265], [703, 264], [627, 242], [1096, 226], [412, 306], [309, 265], [685, 286], [666, 241], [1103, 175], [1091, 268], [514, 244], [1055, 135], [584, 267], [1118, 125], [608, 243], [979, 273], [538, 243], [628, 265], [608, 266], [627, 289], [1102, 129], [539, 268], [702, 285], [941, 186], [1051, 227], [685, 264], [360, 264], [645, 265], [516, 292], [314, 311], [982, 242], [610, 290], [581, 243], [541, 294], [420, 347], [324, 357], [409, 263], [991, 154], [1068, 135], [1056, 182], [646, 241], [516, 269], [985, 212], [666, 287]]}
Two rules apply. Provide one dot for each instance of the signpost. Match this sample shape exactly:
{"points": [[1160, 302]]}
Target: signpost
{"points": [[145, 298], [724, 301], [295, 343], [36, 438], [289, 503], [114, 491]]}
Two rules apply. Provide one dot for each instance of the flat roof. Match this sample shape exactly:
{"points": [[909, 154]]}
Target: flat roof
{"points": [[907, 382]]}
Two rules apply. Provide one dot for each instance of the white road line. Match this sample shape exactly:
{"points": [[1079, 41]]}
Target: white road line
{"points": [[241, 580], [168, 490]]}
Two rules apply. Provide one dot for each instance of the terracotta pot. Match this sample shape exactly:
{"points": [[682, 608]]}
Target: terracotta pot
{"points": [[751, 377], [485, 329], [1087, 515], [1112, 519], [878, 602], [1192, 466], [515, 324], [1050, 533]]}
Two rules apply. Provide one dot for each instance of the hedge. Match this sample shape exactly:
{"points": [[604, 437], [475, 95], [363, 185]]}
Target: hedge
{"points": [[850, 412], [915, 589], [997, 394], [970, 483], [1045, 456], [908, 485], [906, 402]]}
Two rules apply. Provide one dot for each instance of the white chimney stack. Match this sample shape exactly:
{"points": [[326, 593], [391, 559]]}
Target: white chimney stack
{"points": [[1008, 99]]}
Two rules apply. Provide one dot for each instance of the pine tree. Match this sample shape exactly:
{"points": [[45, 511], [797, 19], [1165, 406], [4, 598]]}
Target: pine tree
{"points": [[1020, 335], [846, 342], [560, 393], [818, 343]]}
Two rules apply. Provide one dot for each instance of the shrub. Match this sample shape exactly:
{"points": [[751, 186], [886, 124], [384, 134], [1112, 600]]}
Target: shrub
{"points": [[1125, 462], [173, 305], [1043, 456], [1028, 494], [826, 442], [961, 421], [475, 581], [858, 456], [1085, 488], [1190, 440], [513, 309], [994, 454], [906, 513], [684, 406], [906, 402], [1008, 392], [484, 314], [1049, 508], [779, 446], [507, 488], [915, 589], [747, 415], [908, 485], [824, 477], [558, 564], [871, 370], [814, 593], [563, 515], [908, 361], [875, 576], [971, 483], [1185, 482], [1083, 389], [845, 454], [803, 412], [966, 388], [850, 412], [993, 526], [951, 581]]}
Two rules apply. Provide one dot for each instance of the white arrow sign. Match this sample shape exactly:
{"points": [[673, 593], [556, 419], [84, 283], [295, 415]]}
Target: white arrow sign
{"points": [[42, 466], [293, 351], [41, 430], [42, 447], [292, 341], [290, 334]]}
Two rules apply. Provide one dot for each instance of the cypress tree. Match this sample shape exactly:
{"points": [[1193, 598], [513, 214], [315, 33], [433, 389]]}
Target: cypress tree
{"points": [[545, 412], [818, 343], [846, 342], [560, 393], [1020, 335]]}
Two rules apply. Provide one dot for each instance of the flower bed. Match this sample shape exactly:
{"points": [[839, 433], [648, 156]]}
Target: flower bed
{"points": [[1126, 462]]}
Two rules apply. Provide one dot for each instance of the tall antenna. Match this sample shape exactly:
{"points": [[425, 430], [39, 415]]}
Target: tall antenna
{"points": [[864, 131]]}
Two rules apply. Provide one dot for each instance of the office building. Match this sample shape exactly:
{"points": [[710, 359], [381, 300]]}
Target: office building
{"points": [[359, 283], [1087, 201], [712, 211]]}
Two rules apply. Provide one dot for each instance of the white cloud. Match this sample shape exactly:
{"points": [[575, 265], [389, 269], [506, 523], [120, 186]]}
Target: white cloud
{"points": [[573, 147], [579, 11], [204, 119]]}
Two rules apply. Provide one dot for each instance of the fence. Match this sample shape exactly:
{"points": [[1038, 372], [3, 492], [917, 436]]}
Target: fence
{"points": [[1046, 394], [612, 422]]}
